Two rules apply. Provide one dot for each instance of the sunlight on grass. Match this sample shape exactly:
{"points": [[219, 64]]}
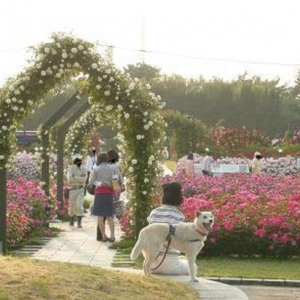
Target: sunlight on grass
{"points": [[23, 278], [170, 164]]}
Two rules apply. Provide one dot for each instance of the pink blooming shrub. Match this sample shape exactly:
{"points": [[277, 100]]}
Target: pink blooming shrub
{"points": [[28, 208], [254, 215]]}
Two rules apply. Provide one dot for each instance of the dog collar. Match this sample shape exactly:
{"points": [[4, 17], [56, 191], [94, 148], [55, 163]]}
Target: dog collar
{"points": [[201, 232]]}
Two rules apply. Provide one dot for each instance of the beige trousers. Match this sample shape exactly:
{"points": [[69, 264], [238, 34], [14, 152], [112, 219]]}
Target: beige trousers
{"points": [[76, 199]]}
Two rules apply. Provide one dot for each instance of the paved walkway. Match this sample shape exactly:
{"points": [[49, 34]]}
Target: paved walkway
{"points": [[75, 245]]}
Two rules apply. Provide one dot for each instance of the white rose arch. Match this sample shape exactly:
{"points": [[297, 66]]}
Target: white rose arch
{"points": [[128, 106]]}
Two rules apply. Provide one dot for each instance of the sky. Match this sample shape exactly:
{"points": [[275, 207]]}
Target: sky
{"points": [[192, 38]]}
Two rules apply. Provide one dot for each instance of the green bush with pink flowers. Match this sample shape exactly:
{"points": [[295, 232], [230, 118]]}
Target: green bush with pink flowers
{"points": [[254, 215], [28, 210]]}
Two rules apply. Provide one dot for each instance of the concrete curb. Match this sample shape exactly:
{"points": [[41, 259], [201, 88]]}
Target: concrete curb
{"points": [[256, 281]]}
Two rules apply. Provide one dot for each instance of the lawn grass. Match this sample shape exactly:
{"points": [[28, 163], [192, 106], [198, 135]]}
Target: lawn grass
{"points": [[24, 278], [261, 268], [266, 268], [170, 164]]}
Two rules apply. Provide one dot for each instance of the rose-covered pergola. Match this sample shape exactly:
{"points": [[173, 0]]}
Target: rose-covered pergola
{"points": [[125, 104]]}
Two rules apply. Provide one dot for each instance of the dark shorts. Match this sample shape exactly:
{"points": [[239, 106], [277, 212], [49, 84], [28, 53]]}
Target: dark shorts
{"points": [[103, 205]]}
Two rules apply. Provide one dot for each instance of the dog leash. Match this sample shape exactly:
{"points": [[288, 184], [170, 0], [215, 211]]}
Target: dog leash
{"points": [[168, 238]]}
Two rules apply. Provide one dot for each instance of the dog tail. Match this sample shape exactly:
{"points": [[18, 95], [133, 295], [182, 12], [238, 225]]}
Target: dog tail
{"points": [[137, 249]]}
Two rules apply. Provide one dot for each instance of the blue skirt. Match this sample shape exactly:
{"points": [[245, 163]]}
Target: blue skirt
{"points": [[103, 205]]}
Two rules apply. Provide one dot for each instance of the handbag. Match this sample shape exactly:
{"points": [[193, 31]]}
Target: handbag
{"points": [[91, 188], [116, 186]]}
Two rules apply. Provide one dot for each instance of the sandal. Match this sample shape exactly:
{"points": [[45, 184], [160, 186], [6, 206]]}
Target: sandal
{"points": [[112, 240], [106, 239]]}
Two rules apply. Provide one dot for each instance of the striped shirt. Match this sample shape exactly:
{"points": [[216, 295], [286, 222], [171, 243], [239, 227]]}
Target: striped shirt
{"points": [[166, 214]]}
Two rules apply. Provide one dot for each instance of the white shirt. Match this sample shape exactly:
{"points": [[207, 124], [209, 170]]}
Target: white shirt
{"points": [[206, 163], [90, 163]]}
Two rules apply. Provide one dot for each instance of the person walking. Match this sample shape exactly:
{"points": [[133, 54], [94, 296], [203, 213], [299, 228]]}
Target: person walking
{"points": [[207, 164], [76, 177], [119, 208], [255, 164], [169, 213], [90, 163], [189, 167], [113, 158], [102, 177]]}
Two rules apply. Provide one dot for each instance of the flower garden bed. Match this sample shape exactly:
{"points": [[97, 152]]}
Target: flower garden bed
{"points": [[254, 215]]}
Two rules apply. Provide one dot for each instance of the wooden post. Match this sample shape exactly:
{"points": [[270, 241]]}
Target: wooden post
{"points": [[45, 138], [61, 133]]}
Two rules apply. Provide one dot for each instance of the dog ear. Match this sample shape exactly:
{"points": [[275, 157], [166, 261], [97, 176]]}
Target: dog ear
{"points": [[198, 213]]}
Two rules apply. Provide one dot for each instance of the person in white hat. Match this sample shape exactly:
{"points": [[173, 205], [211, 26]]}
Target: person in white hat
{"points": [[76, 177], [255, 164]]}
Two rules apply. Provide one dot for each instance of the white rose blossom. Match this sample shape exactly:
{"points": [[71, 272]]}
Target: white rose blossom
{"points": [[8, 100], [94, 66], [41, 57], [2, 157], [134, 161], [126, 116], [109, 107], [107, 93], [131, 169], [64, 55], [74, 50]]}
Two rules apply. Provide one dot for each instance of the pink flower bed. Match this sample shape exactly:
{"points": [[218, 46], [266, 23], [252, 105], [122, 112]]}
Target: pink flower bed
{"points": [[28, 208], [253, 214]]}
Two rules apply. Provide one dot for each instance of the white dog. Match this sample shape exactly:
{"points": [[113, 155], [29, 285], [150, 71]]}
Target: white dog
{"points": [[187, 237]]}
